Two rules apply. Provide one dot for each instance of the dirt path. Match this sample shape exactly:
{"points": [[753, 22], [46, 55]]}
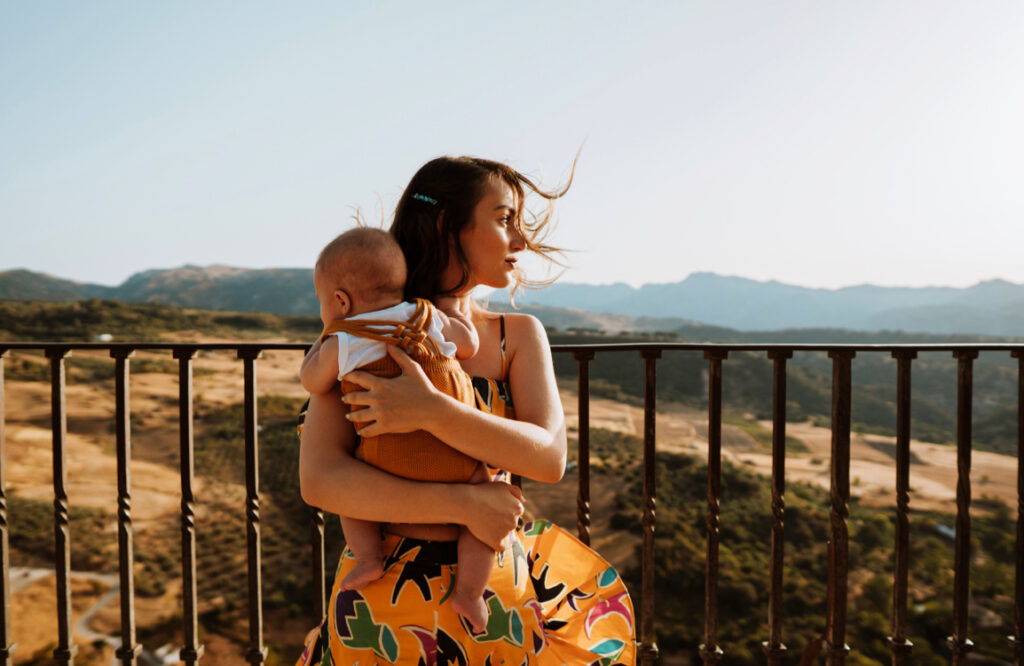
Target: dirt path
{"points": [[23, 578]]}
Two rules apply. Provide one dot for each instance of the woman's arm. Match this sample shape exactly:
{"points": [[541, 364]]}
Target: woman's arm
{"points": [[330, 478], [533, 445]]}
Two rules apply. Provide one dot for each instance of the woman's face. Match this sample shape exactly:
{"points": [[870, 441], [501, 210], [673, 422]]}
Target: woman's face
{"points": [[492, 240]]}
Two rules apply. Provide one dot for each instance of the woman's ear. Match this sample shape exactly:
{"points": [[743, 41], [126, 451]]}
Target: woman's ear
{"points": [[440, 231], [341, 297]]}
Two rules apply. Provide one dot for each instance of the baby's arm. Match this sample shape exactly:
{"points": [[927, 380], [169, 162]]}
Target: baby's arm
{"points": [[457, 328], [320, 366]]}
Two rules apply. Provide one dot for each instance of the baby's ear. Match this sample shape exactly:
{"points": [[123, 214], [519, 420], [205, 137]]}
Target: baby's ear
{"points": [[344, 302]]}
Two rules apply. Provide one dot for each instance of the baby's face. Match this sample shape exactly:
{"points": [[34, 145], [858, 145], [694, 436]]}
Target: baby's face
{"points": [[330, 307]]}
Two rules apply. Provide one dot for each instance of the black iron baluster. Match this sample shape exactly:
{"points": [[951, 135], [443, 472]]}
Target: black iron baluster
{"points": [[257, 652], [839, 545], [583, 358], [709, 650], [1017, 639], [648, 650], [6, 647], [774, 649], [65, 651], [129, 649], [192, 650], [899, 644], [958, 641]]}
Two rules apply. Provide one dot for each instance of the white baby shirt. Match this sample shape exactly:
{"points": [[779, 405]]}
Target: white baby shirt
{"points": [[354, 351]]}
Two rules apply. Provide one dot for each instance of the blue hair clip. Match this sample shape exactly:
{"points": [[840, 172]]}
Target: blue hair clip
{"points": [[424, 198]]}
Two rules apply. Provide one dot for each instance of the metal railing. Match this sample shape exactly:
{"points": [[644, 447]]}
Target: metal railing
{"points": [[834, 644]]}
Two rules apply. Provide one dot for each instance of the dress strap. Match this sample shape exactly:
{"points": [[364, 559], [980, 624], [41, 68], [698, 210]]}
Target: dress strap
{"points": [[504, 356]]}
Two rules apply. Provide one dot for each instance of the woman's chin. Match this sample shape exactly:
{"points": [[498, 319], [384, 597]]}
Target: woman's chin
{"points": [[499, 282]]}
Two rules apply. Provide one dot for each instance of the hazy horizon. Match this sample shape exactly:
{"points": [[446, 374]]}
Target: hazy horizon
{"points": [[560, 281]]}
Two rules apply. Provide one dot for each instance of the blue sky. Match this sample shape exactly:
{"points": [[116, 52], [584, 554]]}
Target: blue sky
{"points": [[822, 144]]}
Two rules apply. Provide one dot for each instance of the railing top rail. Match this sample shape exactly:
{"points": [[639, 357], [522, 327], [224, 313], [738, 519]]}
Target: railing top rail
{"points": [[791, 346], [594, 347], [170, 346]]}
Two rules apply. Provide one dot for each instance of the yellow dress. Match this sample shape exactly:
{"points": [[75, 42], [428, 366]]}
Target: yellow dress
{"points": [[552, 600]]}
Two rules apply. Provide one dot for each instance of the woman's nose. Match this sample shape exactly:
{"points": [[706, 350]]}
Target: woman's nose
{"points": [[516, 240]]}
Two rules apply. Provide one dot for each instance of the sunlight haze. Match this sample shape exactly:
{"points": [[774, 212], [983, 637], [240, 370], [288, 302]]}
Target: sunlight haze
{"points": [[819, 144]]}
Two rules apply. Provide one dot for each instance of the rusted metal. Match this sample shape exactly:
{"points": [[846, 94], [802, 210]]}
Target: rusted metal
{"points": [[129, 650], [899, 644], [583, 358], [319, 571], [257, 652], [835, 645], [65, 651], [958, 641], [709, 650], [774, 649], [6, 646], [192, 650], [1017, 639], [648, 650]]}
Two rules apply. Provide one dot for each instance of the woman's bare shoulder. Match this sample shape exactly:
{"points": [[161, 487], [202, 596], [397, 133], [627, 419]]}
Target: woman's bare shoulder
{"points": [[524, 332], [526, 324]]}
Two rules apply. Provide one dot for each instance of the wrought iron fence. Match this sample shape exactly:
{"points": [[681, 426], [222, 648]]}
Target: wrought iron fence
{"points": [[834, 643]]}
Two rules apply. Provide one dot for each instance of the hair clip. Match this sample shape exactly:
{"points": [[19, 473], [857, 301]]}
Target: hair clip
{"points": [[424, 198]]}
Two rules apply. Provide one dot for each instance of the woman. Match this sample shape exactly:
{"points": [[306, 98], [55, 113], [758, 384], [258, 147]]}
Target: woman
{"points": [[551, 600]]}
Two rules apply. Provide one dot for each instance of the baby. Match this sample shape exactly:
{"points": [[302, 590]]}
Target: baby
{"points": [[359, 279]]}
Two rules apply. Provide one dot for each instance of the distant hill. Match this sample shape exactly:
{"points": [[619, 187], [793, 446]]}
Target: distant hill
{"points": [[274, 290], [286, 291], [995, 307], [23, 285]]}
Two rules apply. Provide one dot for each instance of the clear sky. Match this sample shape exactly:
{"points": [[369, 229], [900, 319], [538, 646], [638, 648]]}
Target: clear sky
{"points": [[818, 143]]}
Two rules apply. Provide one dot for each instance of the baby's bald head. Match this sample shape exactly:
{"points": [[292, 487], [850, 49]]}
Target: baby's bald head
{"points": [[367, 264]]}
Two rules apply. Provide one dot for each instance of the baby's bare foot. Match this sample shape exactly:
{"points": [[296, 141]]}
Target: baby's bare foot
{"points": [[472, 608], [363, 573]]}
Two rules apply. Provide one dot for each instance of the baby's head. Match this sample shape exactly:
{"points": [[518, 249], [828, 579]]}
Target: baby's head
{"points": [[361, 270]]}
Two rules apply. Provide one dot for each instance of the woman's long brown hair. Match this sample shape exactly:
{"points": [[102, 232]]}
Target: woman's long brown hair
{"points": [[454, 186]]}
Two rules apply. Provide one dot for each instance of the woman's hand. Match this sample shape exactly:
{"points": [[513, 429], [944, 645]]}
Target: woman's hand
{"points": [[399, 404], [493, 511]]}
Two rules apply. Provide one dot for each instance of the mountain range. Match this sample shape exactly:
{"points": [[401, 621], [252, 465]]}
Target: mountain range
{"points": [[994, 307]]}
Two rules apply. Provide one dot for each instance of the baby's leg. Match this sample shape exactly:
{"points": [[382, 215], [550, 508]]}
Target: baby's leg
{"points": [[476, 560], [363, 539]]}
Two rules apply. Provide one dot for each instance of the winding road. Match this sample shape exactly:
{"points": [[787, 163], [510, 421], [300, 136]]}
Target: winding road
{"points": [[22, 577]]}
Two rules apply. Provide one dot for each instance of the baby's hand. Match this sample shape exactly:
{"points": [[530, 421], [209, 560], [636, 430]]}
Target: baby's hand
{"points": [[458, 328]]}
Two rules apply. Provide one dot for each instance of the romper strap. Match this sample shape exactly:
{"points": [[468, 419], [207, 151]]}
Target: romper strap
{"points": [[412, 335]]}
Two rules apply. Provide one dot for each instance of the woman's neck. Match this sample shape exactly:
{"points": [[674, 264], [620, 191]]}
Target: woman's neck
{"points": [[463, 304]]}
